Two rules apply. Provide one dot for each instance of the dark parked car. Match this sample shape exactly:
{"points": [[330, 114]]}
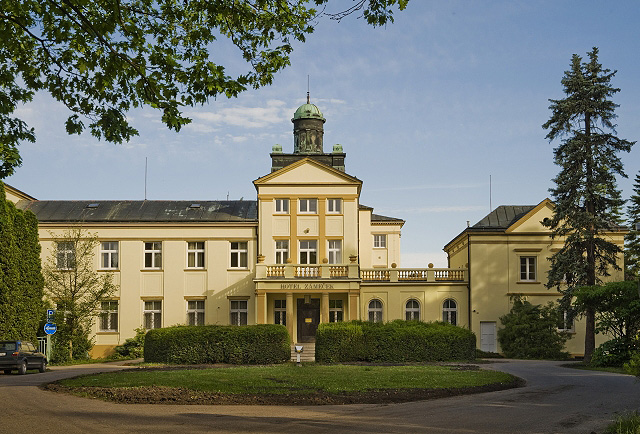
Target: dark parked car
{"points": [[20, 356]]}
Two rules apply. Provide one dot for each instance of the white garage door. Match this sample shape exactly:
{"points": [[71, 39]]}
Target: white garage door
{"points": [[488, 336]]}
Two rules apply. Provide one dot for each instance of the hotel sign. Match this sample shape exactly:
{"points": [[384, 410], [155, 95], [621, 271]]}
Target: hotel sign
{"points": [[306, 286]]}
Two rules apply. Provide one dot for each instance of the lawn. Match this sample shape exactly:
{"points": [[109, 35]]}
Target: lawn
{"points": [[292, 381]]}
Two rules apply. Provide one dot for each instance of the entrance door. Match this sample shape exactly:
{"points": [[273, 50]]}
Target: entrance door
{"points": [[488, 336], [308, 319]]}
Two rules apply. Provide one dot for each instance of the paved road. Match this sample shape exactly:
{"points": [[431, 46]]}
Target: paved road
{"points": [[556, 400]]}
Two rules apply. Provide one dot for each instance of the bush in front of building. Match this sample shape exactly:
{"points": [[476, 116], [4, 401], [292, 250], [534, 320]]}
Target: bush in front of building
{"points": [[252, 345], [614, 352], [394, 342]]}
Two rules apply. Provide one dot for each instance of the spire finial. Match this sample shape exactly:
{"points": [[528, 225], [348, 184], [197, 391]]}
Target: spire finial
{"points": [[308, 89]]}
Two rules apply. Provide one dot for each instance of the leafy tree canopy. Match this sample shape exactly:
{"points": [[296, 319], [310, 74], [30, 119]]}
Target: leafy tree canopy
{"points": [[102, 58]]}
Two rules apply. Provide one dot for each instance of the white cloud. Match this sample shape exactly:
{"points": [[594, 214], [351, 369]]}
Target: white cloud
{"points": [[248, 117]]}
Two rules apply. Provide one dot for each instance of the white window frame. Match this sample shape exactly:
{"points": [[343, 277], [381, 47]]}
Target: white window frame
{"points": [[308, 249], [379, 241], [336, 311], [109, 316], [65, 255], [280, 312], [308, 206], [281, 206], [152, 314], [282, 251], [375, 310], [528, 268], [195, 312], [153, 250], [412, 313], [238, 308], [334, 250], [450, 314], [195, 253], [239, 253], [109, 255], [334, 206], [565, 322]]}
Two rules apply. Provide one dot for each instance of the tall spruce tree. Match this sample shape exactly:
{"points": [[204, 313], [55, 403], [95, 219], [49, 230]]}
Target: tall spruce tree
{"points": [[632, 240], [587, 200]]}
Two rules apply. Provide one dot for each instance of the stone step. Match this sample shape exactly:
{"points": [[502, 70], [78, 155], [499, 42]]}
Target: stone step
{"points": [[308, 354]]}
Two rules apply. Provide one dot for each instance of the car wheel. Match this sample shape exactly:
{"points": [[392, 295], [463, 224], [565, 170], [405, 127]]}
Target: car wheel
{"points": [[22, 368], [43, 366], [7, 371]]}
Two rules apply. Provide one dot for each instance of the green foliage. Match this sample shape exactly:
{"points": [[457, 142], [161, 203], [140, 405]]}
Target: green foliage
{"points": [[21, 284], [132, 348], [76, 287], [633, 367], [397, 341], [632, 239], [615, 352], [81, 344], [530, 332], [257, 344], [627, 423], [587, 199], [102, 58], [616, 306]]}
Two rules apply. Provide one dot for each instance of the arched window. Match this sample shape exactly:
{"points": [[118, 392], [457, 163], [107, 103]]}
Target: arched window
{"points": [[375, 311], [412, 310], [450, 311]]}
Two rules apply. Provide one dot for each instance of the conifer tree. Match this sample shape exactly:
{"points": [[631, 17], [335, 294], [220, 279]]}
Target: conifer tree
{"points": [[587, 200], [632, 240]]}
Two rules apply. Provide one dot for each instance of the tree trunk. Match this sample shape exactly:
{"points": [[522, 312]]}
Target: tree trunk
{"points": [[590, 335]]}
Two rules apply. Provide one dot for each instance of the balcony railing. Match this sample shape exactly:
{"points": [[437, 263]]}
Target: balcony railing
{"points": [[352, 271], [413, 275]]}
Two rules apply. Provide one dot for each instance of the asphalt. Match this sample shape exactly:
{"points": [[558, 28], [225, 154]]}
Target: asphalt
{"points": [[555, 400]]}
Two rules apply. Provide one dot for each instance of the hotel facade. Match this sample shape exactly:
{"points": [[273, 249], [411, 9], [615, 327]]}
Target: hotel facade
{"points": [[305, 252]]}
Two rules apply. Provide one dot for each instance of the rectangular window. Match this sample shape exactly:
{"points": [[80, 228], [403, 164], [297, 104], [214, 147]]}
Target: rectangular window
{"points": [[308, 252], [528, 268], [335, 311], [282, 251], [335, 251], [195, 254], [66, 255], [109, 255], [280, 310], [565, 321], [195, 312], [334, 206], [109, 316], [153, 254], [239, 312], [152, 315], [380, 241], [308, 206], [239, 253], [282, 206]]}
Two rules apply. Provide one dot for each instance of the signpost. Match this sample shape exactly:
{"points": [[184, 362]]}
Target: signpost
{"points": [[50, 328]]}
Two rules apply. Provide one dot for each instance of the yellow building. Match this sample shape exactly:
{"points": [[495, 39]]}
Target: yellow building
{"points": [[305, 252]]}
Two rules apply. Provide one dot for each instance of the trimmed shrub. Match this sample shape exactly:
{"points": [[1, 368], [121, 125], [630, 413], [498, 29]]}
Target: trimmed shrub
{"points": [[253, 345], [395, 342], [615, 352], [132, 347]]}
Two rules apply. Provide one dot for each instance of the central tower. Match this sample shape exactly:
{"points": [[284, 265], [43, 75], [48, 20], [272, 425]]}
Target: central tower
{"points": [[308, 129]]}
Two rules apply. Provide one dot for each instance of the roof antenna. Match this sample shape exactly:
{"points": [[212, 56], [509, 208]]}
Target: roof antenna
{"points": [[145, 178], [490, 207], [307, 88]]}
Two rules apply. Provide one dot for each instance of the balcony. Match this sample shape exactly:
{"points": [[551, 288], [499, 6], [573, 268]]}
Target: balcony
{"points": [[353, 271]]}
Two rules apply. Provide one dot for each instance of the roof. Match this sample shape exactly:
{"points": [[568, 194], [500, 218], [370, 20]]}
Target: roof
{"points": [[376, 218], [147, 211], [502, 217], [308, 111], [17, 192]]}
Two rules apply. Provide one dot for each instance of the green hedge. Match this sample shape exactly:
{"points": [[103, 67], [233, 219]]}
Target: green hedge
{"points": [[257, 344], [397, 341]]}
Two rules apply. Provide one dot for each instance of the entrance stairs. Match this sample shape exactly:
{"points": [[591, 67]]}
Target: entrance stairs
{"points": [[308, 354]]}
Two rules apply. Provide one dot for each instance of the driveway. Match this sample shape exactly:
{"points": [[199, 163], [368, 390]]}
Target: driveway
{"points": [[555, 400]]}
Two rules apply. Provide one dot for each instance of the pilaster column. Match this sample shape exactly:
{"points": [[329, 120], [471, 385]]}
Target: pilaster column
{"points": [[289, 314], [324, 308], [261, 308]]}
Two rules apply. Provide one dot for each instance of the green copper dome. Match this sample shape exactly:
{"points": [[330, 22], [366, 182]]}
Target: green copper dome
{"points": [[308, 111]]}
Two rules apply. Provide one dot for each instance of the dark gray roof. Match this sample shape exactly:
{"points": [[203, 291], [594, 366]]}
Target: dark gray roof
{"points": [[142, 210], [502, 217], [382, 218]]}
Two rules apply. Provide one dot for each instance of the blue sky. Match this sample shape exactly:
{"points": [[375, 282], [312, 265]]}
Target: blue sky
{"points": [[426, 109]]}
